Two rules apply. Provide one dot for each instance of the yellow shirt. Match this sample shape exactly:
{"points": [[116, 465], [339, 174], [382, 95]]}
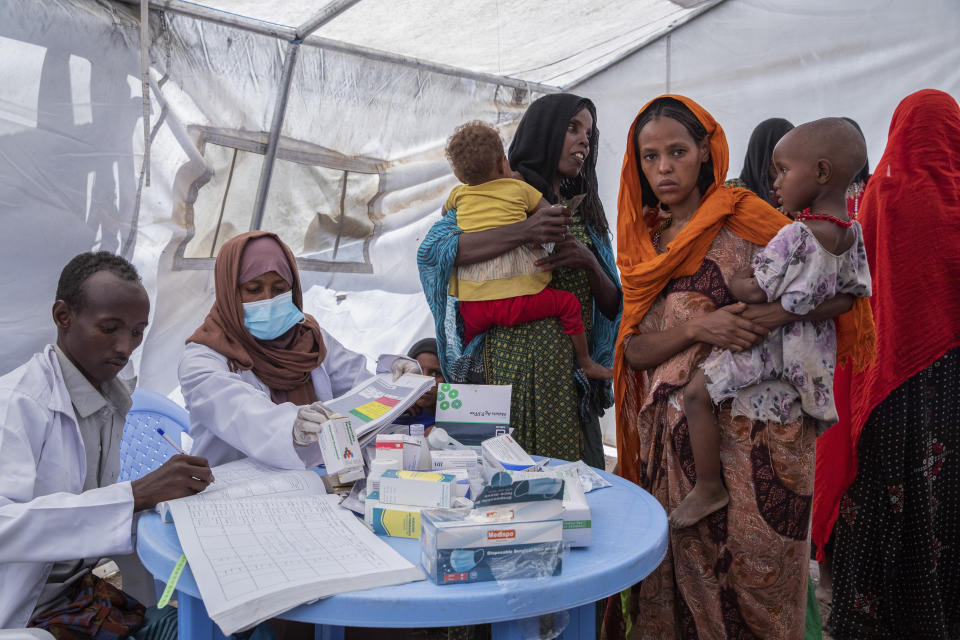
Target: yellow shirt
{"points": [[487, 206]]}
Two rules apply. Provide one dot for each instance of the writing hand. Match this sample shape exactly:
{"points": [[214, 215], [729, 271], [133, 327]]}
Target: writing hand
{"points": [[178, 477]]}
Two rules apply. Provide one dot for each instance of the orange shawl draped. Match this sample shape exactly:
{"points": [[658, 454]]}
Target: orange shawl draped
{"points": [[644, 273]]}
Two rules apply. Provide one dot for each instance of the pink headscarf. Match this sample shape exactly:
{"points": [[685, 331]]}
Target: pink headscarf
{"points": [[263, 255]]}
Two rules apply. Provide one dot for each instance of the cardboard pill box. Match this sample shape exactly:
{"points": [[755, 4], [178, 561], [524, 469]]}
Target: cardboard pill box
{"points": [[417, 488]]}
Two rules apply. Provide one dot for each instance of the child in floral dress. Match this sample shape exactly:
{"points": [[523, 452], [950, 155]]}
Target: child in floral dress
{"points": [[819, 256]]}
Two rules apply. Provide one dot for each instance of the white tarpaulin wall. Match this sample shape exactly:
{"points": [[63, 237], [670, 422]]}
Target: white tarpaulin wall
{"points": [[359, 173], [748, 60], [359, 169]]}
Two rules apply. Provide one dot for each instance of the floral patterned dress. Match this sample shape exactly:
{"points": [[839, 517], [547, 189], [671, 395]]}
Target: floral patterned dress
{"points": [[792, 369], [741, 572]]}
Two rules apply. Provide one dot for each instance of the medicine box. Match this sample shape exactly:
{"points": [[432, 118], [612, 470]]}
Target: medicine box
{"points": [[577, 521], [377, 467], [390, 447], [472, 413], [396, 520], [341, 451], [503, 452], [417, 488], [455, 549], [461, 483], [454, 459], [397, 446]]}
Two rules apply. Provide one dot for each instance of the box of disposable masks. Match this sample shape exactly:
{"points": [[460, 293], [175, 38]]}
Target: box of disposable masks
{"points": [[456, 548], [515, 530], [577, 521], [532, 487], [341, 451]]}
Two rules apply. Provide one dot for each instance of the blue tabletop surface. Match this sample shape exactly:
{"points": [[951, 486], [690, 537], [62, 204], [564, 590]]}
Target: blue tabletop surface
{"points": [[629, 541]]}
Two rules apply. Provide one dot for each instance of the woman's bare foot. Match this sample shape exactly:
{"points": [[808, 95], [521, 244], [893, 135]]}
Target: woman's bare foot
{"points": [[594, 370], [704, 499]]}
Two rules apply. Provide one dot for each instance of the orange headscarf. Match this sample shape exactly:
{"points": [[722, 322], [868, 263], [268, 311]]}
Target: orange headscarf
{"points": [[644, 273]]}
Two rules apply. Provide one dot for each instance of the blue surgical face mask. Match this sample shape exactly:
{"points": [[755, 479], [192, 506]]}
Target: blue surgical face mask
{"points": [[539, 487], [269, 319], [462, 560]]}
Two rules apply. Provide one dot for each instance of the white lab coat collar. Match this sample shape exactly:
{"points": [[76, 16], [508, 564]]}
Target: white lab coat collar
{"points": [[59, 396]]}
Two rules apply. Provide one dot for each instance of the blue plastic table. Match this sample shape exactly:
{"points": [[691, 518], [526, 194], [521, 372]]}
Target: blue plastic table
{"points": [[629, 541]]}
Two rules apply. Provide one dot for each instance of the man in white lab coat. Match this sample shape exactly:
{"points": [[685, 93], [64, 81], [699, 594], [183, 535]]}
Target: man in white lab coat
{"points": [[61, 421]]}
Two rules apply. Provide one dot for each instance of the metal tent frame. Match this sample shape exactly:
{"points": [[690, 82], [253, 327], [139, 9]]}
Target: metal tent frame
{"points": [[304, 35]]}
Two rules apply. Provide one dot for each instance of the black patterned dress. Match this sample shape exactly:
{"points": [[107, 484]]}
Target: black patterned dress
{"points": [[896, 558]]}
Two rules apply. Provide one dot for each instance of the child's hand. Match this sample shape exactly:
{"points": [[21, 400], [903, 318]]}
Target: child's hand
{"points": [[744, 286]]}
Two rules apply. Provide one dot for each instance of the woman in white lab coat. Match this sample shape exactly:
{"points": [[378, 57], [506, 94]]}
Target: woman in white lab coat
{"points": [[255, 374]]}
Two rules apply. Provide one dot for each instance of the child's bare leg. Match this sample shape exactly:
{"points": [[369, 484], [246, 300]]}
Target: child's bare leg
{"points": [[709, 494], [824, 590], [590, 368]]}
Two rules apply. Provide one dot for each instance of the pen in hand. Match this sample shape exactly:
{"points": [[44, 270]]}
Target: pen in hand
{"points": [[175, 446]]}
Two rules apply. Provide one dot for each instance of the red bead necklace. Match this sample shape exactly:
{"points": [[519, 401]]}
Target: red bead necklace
{"points": [[822, 216]]}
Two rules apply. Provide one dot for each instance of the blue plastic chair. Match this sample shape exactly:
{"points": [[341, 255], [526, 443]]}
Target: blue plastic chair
{"points": [[142, 449]]}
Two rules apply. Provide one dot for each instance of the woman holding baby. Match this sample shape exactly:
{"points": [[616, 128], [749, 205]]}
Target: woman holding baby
{"points": [[555, 409], [740, 571]]}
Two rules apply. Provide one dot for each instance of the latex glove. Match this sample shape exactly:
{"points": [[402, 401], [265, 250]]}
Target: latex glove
{"points": [[308, 423], [401, 366]]}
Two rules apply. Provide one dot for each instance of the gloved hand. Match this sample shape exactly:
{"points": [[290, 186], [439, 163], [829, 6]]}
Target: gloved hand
{"points": [[308, 423], [401, 366]]}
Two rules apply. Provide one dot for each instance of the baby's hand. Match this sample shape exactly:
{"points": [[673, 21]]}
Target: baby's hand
{"points": [[744, 286]]}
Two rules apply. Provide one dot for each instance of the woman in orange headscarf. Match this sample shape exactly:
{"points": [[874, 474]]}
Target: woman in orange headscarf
{"points": [[742, 571]]}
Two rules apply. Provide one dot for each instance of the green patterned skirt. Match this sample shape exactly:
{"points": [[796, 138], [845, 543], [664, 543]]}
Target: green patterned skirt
{"points": [[537, 359]]}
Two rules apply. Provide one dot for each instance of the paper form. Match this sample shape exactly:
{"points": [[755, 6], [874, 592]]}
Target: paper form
{"points": [[257, 557], [247, 479]]}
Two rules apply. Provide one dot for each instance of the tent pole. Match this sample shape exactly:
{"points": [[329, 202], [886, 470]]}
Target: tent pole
{"points": [[424, 65], [221, 17], [324, 16], [276, 126], [288, 34]]}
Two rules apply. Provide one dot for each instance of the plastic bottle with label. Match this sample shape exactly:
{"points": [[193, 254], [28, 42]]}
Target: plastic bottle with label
{"points": [[424, 461], [440, 440]]}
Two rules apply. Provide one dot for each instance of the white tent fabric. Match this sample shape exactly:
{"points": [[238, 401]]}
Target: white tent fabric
{"points": [[554, 43], [748, 60], [359, 173]]}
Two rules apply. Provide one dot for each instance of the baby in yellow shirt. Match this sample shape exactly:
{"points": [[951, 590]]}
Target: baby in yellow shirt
{"points": [[509, 289]]}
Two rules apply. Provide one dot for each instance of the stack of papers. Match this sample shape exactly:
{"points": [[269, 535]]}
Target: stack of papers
{"points": [[266, 541], [376, 402]]}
